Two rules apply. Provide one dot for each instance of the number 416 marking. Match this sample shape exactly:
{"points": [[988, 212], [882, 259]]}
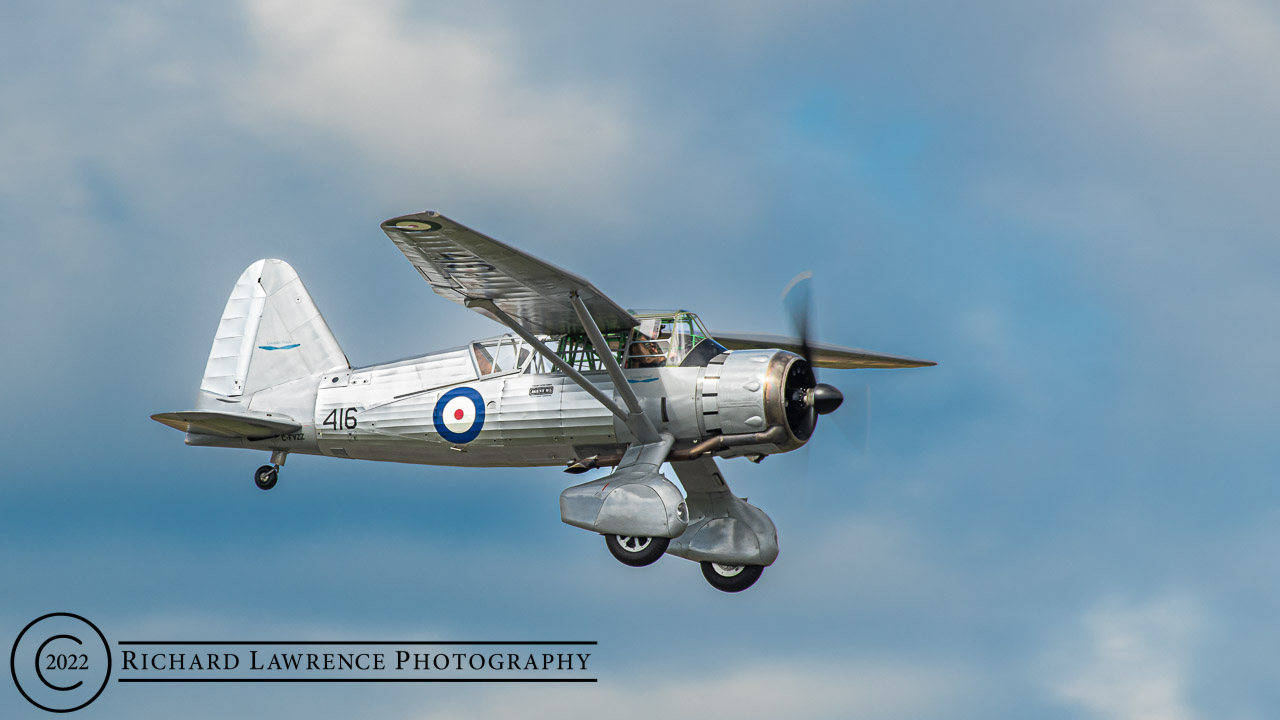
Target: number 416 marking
{"points": [[341, 419]]}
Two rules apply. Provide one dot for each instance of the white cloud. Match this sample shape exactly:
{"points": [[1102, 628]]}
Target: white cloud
{"points": [[1128, 661], [1149, 161], [870, 562], [768, 692], [1188, 68], [434, 106]]}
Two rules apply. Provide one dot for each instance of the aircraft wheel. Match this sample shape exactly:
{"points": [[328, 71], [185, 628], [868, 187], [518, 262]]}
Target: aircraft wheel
{"points": [[731, 578], [636, 551], [266, 476]]}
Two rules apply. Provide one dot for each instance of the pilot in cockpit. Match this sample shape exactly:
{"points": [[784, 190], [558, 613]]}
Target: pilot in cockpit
{"points": [[483, 362], [646, 352]]}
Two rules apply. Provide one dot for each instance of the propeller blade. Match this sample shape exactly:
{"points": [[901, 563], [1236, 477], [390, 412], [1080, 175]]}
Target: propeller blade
{"points": [[797, 298]]}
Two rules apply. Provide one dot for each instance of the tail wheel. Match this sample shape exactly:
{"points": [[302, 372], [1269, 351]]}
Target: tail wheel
{"points": [[266, 476], [636, 551], [731, 578]]}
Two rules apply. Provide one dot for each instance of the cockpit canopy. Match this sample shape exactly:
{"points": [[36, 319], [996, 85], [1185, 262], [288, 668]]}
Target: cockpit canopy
{"points": [[661, 339], [664, 339], [497, 356]]}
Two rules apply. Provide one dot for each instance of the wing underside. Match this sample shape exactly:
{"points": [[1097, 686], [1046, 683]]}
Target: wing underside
{"points": [[824, 355], [462, 264]]}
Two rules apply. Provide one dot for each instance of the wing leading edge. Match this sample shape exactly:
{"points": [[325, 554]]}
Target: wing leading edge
{"points": [[824, 355], [462, 264]]}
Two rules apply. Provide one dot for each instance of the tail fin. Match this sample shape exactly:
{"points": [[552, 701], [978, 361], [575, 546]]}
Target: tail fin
{"points": [[270, 333]]}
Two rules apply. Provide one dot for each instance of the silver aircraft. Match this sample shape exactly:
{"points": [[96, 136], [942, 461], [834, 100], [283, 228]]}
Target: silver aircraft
{"points": [[579, 382]]}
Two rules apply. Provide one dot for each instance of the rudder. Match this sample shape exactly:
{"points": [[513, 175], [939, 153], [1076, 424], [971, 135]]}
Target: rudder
{"points": [[271, 332]]}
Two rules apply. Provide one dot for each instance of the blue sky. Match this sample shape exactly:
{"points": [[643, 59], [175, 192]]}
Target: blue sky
{"points": [[1068, 205]]}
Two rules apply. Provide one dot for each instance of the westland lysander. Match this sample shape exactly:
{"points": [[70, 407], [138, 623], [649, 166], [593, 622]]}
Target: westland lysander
{"points": [[581, 382]]}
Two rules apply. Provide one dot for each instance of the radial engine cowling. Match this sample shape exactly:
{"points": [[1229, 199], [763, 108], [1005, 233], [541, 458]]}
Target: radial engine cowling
{"points": [[751, 391]]}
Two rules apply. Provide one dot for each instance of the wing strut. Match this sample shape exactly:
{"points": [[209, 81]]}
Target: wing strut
{"points": [[637, 423], [646, 433]]}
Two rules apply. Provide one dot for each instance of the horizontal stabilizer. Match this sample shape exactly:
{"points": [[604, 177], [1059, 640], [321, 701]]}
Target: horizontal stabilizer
{"points": [[254, 426], [824, 355]]}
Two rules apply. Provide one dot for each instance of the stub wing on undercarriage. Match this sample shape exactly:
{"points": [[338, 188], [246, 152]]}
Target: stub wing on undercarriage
{"points": [[633, 501], [723, 528], [642, 515]]}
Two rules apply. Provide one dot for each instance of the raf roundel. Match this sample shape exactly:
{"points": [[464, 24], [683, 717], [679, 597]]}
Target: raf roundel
{"points": [[459, 415]]}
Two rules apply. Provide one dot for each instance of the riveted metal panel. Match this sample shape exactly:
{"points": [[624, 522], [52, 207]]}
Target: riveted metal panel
{"points": [[531, 412], [584, 420], [740, 392], [461, 263]]}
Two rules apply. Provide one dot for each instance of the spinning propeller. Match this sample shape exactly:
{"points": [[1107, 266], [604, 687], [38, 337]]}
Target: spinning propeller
{"points": [[806, 397]]}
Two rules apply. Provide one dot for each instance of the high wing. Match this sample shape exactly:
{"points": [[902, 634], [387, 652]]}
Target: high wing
{"points": [[254, 426], [824, 355], [462, 264]]}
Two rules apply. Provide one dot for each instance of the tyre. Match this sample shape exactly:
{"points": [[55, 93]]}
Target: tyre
{"points": [[731, 578], [266, 476], [636, 551]]}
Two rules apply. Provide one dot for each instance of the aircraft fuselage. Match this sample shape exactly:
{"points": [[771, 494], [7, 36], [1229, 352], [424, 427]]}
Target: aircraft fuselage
{"points": [[437, 410]]}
